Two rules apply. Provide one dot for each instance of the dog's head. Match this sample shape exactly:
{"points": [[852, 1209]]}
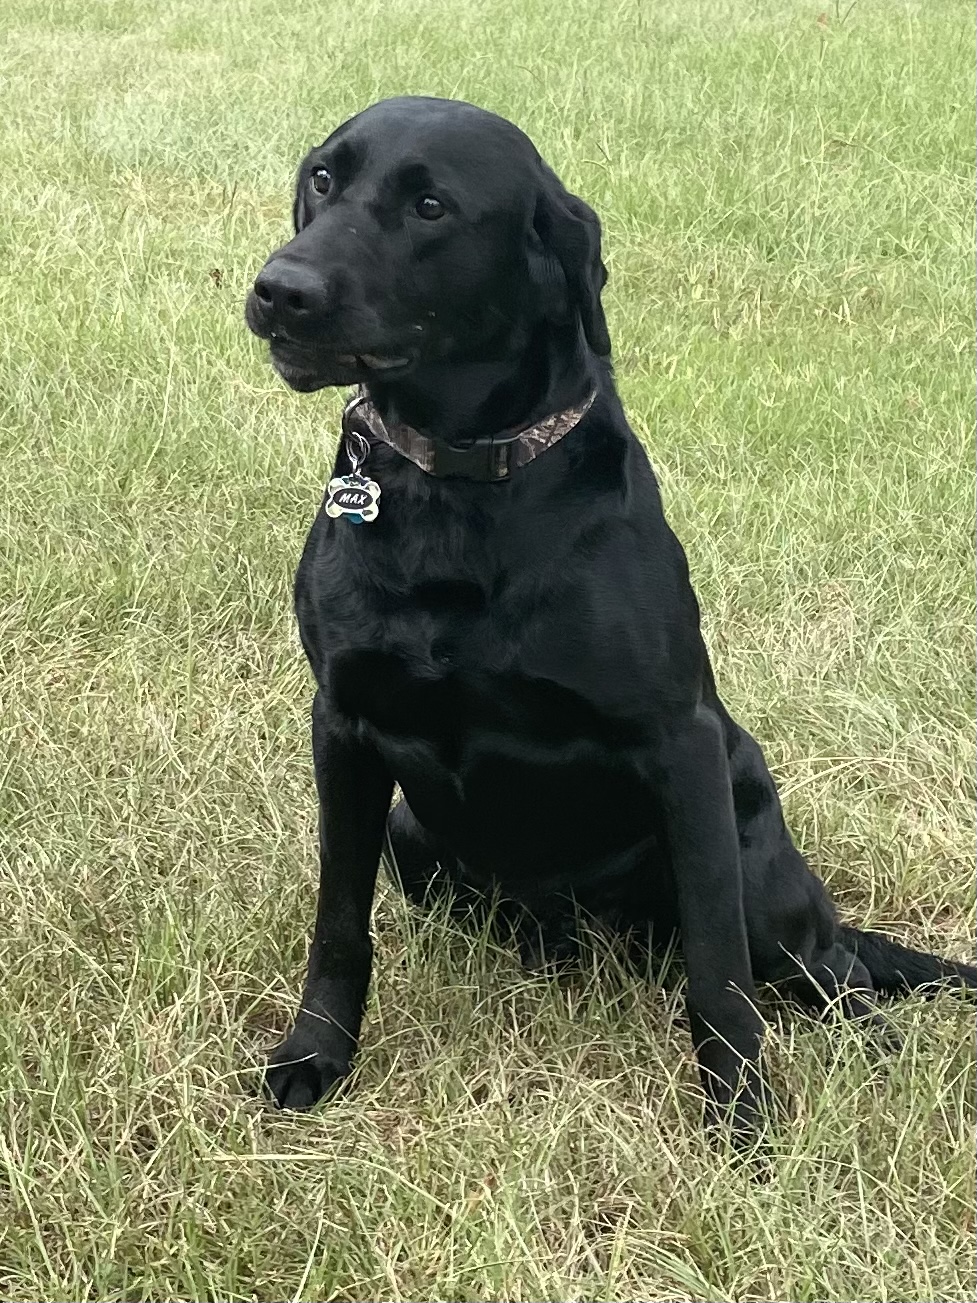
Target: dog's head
{"points": [[425, 231]]}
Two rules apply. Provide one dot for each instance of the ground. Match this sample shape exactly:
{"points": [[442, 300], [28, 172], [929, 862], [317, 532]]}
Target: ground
{"points": [[787, 197]]}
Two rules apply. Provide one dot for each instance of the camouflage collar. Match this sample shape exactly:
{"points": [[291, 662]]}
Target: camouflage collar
{"points": [[490, 458]]}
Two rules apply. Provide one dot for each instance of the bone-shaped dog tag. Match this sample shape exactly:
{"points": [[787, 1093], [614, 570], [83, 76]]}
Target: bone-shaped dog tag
{"points": [[354, 497]]}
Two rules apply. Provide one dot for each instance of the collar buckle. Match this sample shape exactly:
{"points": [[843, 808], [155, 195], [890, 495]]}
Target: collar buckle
{"points": [[486, 460]]}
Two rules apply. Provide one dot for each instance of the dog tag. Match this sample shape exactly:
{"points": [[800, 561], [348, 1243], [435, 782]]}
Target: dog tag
{"points": [[354, 497]]}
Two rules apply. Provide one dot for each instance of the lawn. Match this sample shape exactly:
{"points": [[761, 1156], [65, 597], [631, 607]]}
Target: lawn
{"points": [[787, 197]]}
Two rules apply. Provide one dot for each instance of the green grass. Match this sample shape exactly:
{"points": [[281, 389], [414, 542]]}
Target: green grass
{"points": [[788, 215]]}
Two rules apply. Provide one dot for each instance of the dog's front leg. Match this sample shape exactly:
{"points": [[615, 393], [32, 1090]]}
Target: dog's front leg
{"points": [[354, 798], [727, 1030]]}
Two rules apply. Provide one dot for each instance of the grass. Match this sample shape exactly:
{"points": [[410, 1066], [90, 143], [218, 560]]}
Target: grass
{"points": [[788, 206]]}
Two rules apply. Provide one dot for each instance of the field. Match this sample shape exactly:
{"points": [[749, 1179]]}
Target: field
{"points": [[787, 197]]}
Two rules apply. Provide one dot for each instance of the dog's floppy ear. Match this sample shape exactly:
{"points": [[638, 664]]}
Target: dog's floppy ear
{"points": [[566, 248]]}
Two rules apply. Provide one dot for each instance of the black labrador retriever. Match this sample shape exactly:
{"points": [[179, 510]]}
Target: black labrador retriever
{"points": [[500, 620]]}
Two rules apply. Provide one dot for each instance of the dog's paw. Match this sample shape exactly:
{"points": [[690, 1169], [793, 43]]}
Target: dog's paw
{"points": [[743, 1126], [740, 1135], [297, 1076]]}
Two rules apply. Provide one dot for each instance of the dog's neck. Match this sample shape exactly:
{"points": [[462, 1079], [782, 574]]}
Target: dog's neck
{"points": [[458, 401]]}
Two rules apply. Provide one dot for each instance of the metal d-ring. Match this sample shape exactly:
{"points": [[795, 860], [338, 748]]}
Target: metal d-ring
{"points": [[357, 445]]}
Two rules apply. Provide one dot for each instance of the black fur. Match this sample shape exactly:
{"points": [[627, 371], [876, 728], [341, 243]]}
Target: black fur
{"points": [[523, 658]]}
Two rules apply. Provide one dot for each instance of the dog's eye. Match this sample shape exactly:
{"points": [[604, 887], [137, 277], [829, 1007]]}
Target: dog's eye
{"points": [[429, 208], [321, 180]]}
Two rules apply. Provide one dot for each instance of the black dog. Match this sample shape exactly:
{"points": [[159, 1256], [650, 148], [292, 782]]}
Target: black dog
{"points": [[499, 618]]}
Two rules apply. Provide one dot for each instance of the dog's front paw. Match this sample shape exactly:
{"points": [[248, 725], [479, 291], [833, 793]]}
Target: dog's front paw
{"points": [[297, 1075], [746, 1116]]}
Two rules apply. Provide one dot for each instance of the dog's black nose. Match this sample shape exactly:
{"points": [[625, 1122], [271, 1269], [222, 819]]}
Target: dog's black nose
{"points": [[290, 293]]}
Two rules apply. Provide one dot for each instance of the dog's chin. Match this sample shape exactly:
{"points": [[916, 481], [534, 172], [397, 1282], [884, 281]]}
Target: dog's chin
{"points": [[307, 382], [339, 370]]}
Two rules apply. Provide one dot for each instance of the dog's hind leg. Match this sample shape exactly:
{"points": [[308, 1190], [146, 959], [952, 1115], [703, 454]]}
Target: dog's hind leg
{"points": [[428, 873], [415, 862], [796, 943], [836, 981], [834, 978]]}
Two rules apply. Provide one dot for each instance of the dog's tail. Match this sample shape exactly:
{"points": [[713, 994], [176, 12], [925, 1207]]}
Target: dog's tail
{"points": [[896, 969]]}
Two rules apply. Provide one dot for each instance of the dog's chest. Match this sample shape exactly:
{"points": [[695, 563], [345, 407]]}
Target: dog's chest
{"points": [[507, 691], [471, 656], [490, 755]]}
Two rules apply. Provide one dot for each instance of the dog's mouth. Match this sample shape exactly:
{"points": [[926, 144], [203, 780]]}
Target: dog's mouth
{"points": [[373, 362], [308, 372]]}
